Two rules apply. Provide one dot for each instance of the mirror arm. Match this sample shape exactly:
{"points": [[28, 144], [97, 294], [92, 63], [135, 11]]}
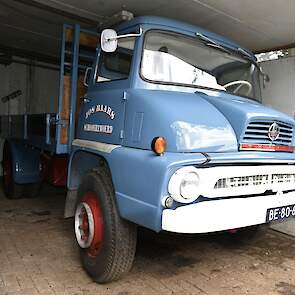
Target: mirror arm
{"points": [[126, 36]]}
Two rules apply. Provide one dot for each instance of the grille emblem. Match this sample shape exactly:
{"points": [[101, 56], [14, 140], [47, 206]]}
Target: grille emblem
{"points": [[273, 131]]}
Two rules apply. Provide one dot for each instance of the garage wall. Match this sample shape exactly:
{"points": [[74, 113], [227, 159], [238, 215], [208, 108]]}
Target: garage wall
{"points": [[279, 93], [45, 90], [3, 90], [4, 87], [15, 78], [39, 87]]}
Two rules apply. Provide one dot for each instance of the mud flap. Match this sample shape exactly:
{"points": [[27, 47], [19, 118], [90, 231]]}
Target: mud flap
{"points": [[70, 203]]}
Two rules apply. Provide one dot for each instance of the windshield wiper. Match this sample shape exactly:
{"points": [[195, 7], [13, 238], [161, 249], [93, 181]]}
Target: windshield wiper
{"points": [[212, 43], [243, 52], [217, 45], [250, 58]]}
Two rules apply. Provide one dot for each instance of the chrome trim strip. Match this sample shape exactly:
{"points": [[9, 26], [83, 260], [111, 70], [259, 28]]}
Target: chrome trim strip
{"points": [[95, 145]]}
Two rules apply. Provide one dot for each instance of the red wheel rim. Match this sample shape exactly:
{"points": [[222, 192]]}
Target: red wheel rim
{"points": [[89, 224], [7, 168]]}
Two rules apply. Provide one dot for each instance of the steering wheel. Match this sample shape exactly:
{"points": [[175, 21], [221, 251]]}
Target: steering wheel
{"points": [[241, 83]]}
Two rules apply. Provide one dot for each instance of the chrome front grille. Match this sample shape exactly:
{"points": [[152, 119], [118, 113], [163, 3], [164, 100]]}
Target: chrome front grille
{"points": [[257, 132], [255, 180]]}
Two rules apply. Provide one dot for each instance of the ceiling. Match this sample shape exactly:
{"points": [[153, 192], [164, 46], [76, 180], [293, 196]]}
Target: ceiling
{"points": [[34, 26]]}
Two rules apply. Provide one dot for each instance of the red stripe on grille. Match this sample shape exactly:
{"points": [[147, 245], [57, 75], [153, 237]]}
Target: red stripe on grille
{"points": [[266, 147]]}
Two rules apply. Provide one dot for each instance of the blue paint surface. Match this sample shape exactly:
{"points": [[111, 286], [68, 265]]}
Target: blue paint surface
{"points": [[26, 169], [155, 22], [139, 178]]}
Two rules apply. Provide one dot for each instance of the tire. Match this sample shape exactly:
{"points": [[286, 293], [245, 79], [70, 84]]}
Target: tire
{"points": [[11, 189], [107, 242]]}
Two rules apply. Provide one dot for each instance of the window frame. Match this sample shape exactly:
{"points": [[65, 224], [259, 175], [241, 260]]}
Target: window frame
{"points": [[176, 83], [99, 58]]}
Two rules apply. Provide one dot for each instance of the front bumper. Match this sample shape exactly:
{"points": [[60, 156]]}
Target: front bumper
{"points": [[222, 214]]}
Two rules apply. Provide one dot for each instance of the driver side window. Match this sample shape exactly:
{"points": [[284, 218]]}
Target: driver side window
{"points": [[116, 65]]}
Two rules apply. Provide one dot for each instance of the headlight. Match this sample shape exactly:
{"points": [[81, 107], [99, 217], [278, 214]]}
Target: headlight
{"points": [[189, 185], [184, 185]]}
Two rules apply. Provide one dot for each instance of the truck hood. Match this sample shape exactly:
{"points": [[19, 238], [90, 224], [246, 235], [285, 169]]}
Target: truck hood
{"points": [[206, 121], [240, 111]]}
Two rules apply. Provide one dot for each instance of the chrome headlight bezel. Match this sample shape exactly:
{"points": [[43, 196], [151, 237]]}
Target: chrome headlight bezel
{"points": [[176, 185]]}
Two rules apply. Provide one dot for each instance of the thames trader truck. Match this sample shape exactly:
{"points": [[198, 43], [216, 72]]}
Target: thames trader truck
{"points": [[166, 131]]}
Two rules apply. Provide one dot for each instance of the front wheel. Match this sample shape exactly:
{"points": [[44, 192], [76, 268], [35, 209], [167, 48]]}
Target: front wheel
{"points": [[107, 242]]}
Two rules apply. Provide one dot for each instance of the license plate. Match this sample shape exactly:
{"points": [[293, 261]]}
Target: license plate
{"points": [[280, 213]]}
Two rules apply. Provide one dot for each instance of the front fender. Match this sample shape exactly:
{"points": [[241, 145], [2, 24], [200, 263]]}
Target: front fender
{"points": [[139, 177]]}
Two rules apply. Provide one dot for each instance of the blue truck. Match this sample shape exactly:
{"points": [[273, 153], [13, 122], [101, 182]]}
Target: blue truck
{"points": [[169, 134]]}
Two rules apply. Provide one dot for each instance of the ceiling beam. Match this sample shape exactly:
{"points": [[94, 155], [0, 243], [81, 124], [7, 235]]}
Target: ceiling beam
{"points": [[288, 46], [58, 11], [29, 54]]}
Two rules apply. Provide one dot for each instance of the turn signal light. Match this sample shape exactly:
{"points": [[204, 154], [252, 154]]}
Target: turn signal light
{"points": [[159, 145]]}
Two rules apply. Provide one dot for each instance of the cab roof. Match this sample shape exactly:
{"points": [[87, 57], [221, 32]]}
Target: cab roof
{"points": [[161, 22]]}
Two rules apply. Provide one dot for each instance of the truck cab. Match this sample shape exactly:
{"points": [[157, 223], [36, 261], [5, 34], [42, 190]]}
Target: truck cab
{"points": [[172, 136], [174, 114]]}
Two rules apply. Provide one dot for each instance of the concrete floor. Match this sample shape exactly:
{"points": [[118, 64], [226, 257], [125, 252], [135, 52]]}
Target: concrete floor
{"points": [[38, 256]]}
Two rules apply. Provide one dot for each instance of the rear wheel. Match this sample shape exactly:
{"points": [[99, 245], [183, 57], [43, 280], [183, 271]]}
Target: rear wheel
{"points": [[107, 242], [12, 190]]}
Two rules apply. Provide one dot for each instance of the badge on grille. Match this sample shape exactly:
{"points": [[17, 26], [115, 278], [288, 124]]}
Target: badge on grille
{"points": [[273, 131]]}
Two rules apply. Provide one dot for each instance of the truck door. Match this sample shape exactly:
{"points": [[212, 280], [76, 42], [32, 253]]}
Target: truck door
{"points": [[103, 111]]}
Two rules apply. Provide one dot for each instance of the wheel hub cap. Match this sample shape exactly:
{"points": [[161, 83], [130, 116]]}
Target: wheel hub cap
{"points": [[89, 224], [84, 225]]}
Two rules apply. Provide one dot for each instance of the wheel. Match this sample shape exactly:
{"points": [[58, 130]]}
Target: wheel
{"points": [[11, 189], [107, 242]]}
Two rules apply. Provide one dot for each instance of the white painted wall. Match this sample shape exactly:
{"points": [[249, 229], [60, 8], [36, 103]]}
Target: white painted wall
{"points": [[279, 93], [44, 91], [4, 87], [3, 90], [39, 88], [14, 79]]}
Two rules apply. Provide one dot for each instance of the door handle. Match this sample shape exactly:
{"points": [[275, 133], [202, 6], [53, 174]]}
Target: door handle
{"points": [[85, 99]]}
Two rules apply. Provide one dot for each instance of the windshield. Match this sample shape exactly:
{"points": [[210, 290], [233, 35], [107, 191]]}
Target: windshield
{"points": [[171, 58]]}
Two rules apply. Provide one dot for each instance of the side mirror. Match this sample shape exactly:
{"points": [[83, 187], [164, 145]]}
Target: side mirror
{"points": [[265, 77], [108, 40], [87, 77]]}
